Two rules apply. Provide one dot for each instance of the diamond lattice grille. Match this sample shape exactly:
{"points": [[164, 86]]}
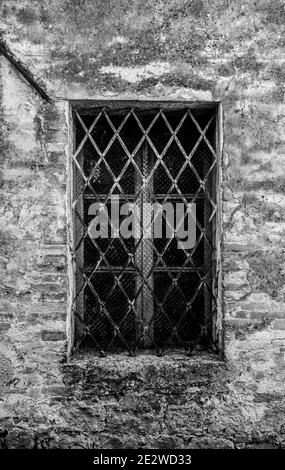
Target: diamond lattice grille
{"points": [[144, 292]]}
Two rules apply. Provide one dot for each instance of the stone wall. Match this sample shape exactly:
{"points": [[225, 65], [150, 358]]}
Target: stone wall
{"points": [[173, 49]]}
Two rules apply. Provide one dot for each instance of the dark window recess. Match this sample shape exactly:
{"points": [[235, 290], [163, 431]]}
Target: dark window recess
{"points": [[137, 293]]}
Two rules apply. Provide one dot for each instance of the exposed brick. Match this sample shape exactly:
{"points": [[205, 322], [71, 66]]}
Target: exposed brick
{"points": [[279, 324], [53, 335], [261, 445], [209, 442], [4, 326]]}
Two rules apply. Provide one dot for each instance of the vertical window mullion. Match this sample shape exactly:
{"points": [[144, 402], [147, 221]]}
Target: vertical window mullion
{"points": [[208, 255], [145, 255], [78, 216]]}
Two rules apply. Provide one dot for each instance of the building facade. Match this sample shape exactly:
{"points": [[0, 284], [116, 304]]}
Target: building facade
{"points": [[61, 56]]}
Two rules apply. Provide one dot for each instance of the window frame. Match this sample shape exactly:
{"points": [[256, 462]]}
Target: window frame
{"points": [[79, 105]]}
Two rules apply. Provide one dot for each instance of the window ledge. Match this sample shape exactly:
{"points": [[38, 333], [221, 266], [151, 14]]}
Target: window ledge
{"points": [[119, 374], [146, 359]]}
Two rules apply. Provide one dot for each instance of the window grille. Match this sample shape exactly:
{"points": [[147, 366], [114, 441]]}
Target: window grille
{"points": [[144, 293]]}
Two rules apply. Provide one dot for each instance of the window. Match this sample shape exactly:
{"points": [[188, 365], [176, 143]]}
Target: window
{"points": [[145, 212]]}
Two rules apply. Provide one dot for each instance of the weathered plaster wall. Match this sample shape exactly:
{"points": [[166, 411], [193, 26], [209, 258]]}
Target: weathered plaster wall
{"points": [[199, 49]]}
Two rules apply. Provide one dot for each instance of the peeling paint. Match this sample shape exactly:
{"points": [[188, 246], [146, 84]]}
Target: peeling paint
{"points": [[136, 74]]}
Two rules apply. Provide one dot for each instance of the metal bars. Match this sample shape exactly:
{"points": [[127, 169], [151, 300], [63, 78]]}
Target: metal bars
{"points": [[143, 292]]}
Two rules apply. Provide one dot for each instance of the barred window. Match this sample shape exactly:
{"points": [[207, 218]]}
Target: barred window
{"points": [[144, 218]]}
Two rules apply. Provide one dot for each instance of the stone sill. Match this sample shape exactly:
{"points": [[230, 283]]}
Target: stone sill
{"points": [[123, 361]]}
